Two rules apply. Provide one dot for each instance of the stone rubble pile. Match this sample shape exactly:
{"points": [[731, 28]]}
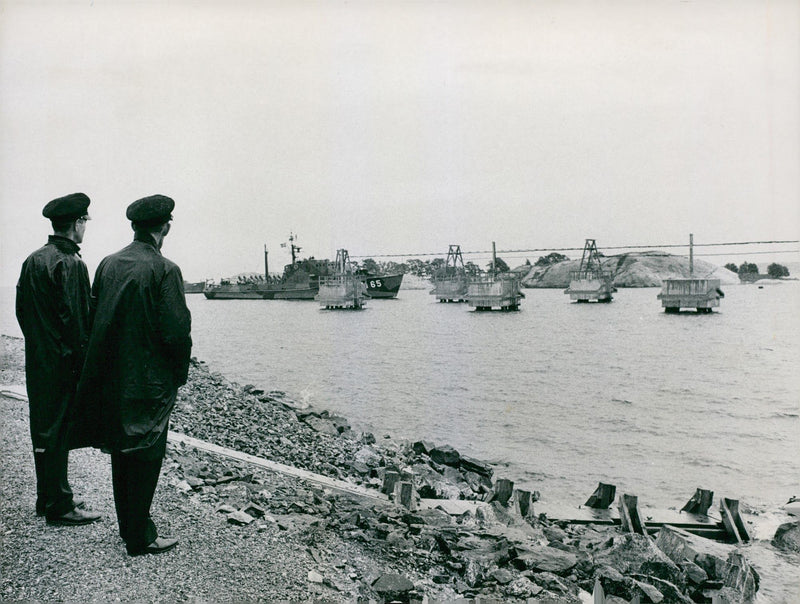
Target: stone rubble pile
{"points": [[490, 550]]}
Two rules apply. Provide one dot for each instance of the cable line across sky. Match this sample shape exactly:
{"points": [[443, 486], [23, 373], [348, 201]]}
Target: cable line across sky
{"points": [[605, 247]]}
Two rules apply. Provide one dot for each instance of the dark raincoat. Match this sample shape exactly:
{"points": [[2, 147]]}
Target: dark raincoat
{"points": [[139, 348], [53, 311]]}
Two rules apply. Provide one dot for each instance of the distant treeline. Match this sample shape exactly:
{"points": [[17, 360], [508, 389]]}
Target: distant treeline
{"points": [[749, 271], [437, 267]]}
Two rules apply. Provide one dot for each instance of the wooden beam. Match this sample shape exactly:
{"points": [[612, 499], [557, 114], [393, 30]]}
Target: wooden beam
{"points": [[324, 481], [629, 514], [734, 525]]}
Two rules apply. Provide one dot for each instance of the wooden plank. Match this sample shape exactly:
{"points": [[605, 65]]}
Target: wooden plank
{"points": [[656, 517], [324, 481], [454, 507]]}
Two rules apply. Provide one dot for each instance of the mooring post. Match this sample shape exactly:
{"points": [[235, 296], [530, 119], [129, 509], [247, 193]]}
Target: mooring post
{"points": [[503, 489], [629, 515], [407, 498], [602, 497], [390, 478], [729, 509], [700, 502], [523, 503]]}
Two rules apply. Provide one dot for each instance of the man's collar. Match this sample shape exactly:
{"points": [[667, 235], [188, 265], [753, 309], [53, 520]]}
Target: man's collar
{"points": [[64, 244], [146, 238]]}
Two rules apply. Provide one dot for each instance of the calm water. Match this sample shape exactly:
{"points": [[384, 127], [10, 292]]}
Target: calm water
{"points": [[561, 396]]}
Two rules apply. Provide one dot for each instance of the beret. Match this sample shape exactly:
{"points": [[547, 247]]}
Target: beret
{"points": [[153, 209], [69, 206]]}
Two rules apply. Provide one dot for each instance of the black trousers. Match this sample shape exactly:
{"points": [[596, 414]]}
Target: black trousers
{"points": [[134, 476], [53, 493]]}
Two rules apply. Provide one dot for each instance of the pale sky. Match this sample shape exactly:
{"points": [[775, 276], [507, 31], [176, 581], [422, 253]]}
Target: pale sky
{"points": [[401, 127]]}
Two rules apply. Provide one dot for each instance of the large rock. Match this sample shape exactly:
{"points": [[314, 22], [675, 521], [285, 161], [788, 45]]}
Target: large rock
{"points": [[368, 456], [470, 464], [321, 425], [787, 537], [633, 554], [432, 485], [721, 562], [391, 586], [545, 559], [445, 454]]}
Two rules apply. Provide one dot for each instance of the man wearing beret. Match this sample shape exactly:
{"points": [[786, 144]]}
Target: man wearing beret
{"points": [[52, 308], [138, 356]]}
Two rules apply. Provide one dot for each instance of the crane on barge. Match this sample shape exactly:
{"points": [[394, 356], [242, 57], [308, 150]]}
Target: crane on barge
{"points": [[590, 282], [451, 284]]}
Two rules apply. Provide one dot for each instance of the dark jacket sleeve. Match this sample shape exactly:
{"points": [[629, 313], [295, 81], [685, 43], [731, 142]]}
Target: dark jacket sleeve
{"points": [[21, 301], [175, 323]]}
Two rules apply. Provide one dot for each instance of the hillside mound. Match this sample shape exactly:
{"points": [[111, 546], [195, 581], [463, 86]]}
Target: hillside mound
{"points": [[640, 269]]}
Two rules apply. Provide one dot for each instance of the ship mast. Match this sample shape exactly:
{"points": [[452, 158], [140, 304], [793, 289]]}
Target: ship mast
{"points": [[295, 248]]}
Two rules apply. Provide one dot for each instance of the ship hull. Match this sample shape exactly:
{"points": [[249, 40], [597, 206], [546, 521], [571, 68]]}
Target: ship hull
{"points": [[222, 292], [193, 288], [383, 286]]}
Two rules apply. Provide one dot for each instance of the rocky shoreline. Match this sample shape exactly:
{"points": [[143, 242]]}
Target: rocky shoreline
{"points": [[494, 551], [364, 550]]}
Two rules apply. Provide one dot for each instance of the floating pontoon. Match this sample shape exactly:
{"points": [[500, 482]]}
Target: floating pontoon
{"points": [[700, 294]]}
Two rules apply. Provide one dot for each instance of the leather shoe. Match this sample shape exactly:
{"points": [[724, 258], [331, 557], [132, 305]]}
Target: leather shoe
{"points": [[74, 517], [159, 546], [41, 511]]}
